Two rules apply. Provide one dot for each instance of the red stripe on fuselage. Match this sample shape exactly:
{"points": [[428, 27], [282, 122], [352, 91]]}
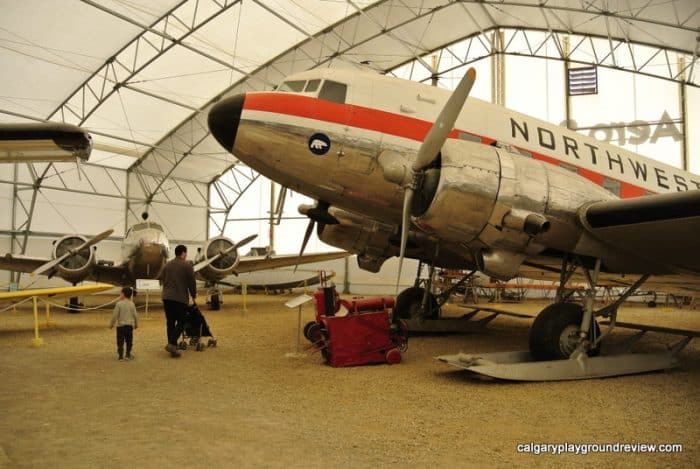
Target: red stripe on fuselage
{"points": [[345, 114], [393, 124]]}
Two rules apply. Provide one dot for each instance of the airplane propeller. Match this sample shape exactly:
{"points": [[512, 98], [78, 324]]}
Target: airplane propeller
{"points": [[429, 150], [317, 213], [200, 265], [70, 253]]}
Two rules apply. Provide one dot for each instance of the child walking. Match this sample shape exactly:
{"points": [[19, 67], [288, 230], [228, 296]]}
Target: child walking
{"points": [[126, 320]]}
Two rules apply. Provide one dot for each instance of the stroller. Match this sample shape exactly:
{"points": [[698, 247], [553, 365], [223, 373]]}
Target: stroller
{"points": [[196, 327]]}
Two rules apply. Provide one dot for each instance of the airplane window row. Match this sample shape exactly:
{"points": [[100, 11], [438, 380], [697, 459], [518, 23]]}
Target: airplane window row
{"points": [[330, 91]]}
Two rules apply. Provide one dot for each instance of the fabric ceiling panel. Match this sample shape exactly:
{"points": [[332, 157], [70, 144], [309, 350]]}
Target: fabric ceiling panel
{"points": [[129, 114], [47, 62], [200, 168], [145, 13], [235, 36], [185, 77], [310, 15]]}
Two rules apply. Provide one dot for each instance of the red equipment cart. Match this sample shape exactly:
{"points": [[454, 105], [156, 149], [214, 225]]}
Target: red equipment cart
{"points": [[365, 335]]}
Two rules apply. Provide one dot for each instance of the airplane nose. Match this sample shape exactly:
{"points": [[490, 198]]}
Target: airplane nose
{"points": [[223, 120]]}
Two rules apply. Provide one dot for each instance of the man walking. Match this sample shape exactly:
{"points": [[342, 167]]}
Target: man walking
{"points": [[178, 285]]}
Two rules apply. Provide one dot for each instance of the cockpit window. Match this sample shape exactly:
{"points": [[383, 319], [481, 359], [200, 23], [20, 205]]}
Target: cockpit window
{"points": [[312, 86], [295, 86], [333, 91], [146, 225]]}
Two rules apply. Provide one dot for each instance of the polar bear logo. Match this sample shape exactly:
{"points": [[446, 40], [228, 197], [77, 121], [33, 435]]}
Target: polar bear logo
{"points": [[319, 144]]}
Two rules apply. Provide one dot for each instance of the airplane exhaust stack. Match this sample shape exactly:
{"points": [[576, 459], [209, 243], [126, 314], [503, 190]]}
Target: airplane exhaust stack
{"points": [[527, 222]]}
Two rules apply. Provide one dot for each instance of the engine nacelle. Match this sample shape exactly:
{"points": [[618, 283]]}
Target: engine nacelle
{"points": [[362, 236], [224, 265], [375, 242], [77, 267], [502, 207]]}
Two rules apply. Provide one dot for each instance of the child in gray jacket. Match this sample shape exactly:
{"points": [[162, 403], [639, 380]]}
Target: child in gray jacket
{"points": [[126, 320]]}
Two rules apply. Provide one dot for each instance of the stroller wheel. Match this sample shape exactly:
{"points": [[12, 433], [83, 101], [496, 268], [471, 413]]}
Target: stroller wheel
{"points": [[200, 347], [182, 345], [211, 343]]}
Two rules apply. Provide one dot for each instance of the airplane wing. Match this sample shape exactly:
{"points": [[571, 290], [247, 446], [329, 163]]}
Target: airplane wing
{"points": [[62, 291], [116, 275], [43, 141], [660, 230], [19, 263], [250, 264], [547, 269], [279, 286]]}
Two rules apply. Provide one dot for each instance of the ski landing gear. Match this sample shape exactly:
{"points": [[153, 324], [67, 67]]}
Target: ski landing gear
{"points": [[565, 342]]}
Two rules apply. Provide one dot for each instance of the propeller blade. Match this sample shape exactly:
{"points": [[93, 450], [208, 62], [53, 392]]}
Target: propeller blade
{"points": [[405, 226], [71, 252], [445, 122], [244, 241], [307, 235], [429, 149], [200, 265]]}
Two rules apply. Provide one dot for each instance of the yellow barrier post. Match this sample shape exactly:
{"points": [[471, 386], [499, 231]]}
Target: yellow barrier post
{"points": [[36, 341], [48, 314]]}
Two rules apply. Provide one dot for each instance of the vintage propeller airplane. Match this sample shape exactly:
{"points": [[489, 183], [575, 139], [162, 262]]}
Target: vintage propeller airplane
{"points": [[145, 250], [404, 169]]}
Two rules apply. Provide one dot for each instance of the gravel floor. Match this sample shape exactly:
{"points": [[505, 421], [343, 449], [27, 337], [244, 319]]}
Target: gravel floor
{"points": [[247, 403]]}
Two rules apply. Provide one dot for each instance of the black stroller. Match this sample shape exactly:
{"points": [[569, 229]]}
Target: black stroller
{"points": [[196, 327]]}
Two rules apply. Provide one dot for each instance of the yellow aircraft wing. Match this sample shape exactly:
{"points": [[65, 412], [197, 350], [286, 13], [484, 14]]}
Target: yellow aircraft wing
{"points": [[73, 291]]}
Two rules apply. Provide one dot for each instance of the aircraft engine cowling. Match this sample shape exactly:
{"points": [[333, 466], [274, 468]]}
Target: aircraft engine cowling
{"points": [[75, 268], [222, 266], [501, 206], [375, 242]]}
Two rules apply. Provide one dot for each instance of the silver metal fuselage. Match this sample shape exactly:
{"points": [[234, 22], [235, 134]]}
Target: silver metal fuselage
{"points": [[145, 250], [372, 139]]}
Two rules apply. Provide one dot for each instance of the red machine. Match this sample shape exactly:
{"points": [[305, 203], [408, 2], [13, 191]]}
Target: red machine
{"points": [[365, 335]]}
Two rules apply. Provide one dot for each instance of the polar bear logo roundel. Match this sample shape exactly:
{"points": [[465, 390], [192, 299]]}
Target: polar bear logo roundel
{"points": [[319, 144]]}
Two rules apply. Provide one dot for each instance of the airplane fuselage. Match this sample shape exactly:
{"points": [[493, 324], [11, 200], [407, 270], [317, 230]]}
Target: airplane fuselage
{"points": [[145, 250], [349, 138]]}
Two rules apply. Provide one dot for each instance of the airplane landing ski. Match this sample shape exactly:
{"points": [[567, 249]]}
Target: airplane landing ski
{"points": [[520, 366]]}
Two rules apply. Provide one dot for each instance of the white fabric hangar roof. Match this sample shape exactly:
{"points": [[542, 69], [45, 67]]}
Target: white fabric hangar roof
{"points": [[140, 75]]}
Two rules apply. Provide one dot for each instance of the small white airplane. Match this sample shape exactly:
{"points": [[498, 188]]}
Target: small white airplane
{"points": [[145, 250], [44, 141], [404, 169]]}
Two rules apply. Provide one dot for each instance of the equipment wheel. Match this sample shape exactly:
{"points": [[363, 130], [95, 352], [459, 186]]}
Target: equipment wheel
{"points": [[215, 303], [393, 356], [316, 334], [182, 345], [554, 333], [399, 335], [211, 343], [409, 301], [308, 326]]}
